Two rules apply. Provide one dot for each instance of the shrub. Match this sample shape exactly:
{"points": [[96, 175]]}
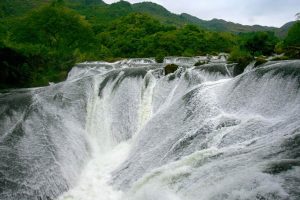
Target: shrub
{"points": [[159, 58], [242, 58], [292, 41], [171, 68], [260, 43], [293, 36]]}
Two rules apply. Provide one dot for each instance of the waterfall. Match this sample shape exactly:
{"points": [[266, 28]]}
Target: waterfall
{"points": [[125, 130]]}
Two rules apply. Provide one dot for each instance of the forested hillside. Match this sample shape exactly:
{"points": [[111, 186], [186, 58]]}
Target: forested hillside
{"points": [[102, 12]]}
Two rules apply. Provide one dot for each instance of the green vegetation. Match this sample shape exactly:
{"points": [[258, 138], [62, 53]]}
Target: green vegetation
{"points": [[259, 43], [171, 68], [98, 11], [291, 43], [50, 39], [242, 58], [293, 37], [41, 40]]}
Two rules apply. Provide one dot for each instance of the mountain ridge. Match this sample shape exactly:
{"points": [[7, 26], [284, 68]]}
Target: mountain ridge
{"points": [[213, 24], [103, 13]]}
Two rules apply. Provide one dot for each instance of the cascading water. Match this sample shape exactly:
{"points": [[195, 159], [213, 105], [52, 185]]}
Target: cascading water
{"points": [[124, 130]]}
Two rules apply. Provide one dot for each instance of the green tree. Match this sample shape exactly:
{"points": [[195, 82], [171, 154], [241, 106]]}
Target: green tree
{"points": [[55, 27], [293, 36], [292, 41], [58, 37], [125, 36], [192, 40], [260, 43], [51, 38]]}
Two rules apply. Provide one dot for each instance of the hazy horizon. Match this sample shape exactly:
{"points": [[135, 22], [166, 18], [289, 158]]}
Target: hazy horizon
{"points": [[257, 12]]}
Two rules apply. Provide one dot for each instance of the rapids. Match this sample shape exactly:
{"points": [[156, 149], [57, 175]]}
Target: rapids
{"points": [[124, 130]]}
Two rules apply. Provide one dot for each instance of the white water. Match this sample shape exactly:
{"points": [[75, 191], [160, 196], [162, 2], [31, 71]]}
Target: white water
{"points": [[94, 180], [125, 131]]}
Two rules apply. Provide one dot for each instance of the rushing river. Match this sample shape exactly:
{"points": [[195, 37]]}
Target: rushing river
{"points": [[124, 130]]}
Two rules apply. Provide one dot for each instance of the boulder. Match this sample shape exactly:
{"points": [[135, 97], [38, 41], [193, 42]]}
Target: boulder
{"points": [[171, 68]]}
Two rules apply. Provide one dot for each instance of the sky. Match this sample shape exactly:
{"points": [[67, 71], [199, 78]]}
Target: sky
{"points": [[248, 12]]}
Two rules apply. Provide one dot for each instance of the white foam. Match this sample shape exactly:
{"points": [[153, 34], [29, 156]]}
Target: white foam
{"points": [[94, 181]]}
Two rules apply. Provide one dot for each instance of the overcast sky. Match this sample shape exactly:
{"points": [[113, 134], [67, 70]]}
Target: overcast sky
{"points": [[263, 12]]}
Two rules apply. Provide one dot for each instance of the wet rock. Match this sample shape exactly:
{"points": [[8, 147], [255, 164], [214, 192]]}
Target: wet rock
{"points": [[171, 68]]}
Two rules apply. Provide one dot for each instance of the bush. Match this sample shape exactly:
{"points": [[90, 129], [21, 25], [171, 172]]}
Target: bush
{"points": [[242, 58], [259, 43], [159, 58], [279, 48], [52, 38], [293, 36], [293, 52], [171, 68], [292, 41]]}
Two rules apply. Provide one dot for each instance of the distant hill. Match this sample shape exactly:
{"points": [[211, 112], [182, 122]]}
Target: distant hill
{"points": [[166, 16], [19, 7], [222, 25], [100, 12], [161, 13]]}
